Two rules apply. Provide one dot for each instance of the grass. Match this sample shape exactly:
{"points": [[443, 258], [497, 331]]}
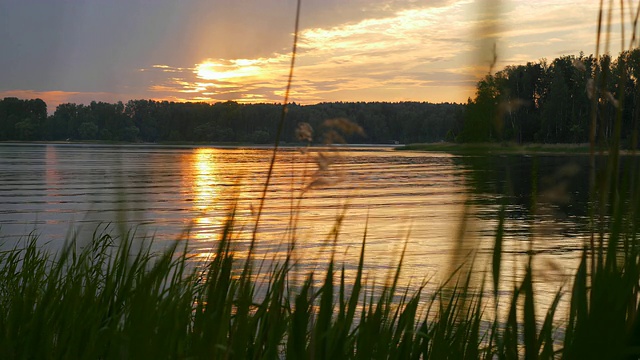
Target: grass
{"points": [[107, 300]]}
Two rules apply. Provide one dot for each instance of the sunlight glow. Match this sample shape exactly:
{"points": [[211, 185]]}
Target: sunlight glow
{"points": [[240, 68]]}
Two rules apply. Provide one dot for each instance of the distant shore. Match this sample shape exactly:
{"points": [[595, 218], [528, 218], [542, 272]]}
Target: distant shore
{"points": [[447, 147], [192, 144]]}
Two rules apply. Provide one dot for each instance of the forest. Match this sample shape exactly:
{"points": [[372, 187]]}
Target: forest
{"points": [[163, 121], [541, 102], [557, 101]]}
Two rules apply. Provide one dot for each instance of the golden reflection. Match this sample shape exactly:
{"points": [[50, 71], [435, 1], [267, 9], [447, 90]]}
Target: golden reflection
{"points": [[206, 192], [52, 176]]}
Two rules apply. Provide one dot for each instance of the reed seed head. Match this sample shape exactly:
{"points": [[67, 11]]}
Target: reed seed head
{"points": [[304, 132], [591, 88], [578, 64]]}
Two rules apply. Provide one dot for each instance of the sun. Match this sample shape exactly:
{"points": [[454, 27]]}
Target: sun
{"points": [[227, 70]]}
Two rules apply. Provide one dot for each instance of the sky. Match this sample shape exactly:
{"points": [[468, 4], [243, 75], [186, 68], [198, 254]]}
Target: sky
{"points": [[218, 50]]}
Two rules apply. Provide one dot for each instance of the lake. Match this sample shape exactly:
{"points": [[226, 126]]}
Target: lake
{"points": [[443, 207]]}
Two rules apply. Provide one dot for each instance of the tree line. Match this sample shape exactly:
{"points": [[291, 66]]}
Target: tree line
{"points": [[163, 121], [558, 102]]}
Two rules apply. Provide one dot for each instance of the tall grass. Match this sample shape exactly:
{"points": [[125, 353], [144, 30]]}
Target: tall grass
{"points": [[115, 299], [107, 300], [112, 298]]}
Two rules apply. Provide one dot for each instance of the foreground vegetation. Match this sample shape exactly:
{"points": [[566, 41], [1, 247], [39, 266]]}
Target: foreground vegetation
{"points": [[113, 297]]}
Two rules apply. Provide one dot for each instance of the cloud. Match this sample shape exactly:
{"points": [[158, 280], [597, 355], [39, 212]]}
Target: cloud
{"points": [[218, 50], [402, 49]]}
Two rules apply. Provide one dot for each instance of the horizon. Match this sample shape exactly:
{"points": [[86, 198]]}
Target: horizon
{"points": [[51, 110], [216, 51]]}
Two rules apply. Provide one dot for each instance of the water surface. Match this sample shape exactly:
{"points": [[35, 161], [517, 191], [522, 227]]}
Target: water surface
{"points": [[443, 207]]}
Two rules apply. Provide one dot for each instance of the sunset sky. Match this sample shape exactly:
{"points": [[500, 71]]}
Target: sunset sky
{"points": [[218, 50]]}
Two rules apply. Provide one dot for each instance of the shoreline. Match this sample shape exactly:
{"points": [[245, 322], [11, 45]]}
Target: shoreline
{"points": [[443, 147], [509, 148], [187, 144]]}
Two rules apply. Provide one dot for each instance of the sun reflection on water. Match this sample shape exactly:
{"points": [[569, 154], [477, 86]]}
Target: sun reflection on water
{"points": [[206, 191]]}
